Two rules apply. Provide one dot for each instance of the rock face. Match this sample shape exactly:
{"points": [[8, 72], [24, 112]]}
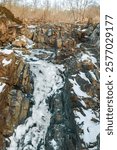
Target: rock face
{"points": [[83, 75], [7, 28], [62, 133], [16, 88], [96, 33], [65, 111], [63, 36]]}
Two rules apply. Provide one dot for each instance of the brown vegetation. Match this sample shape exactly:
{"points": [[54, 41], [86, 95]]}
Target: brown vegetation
{"points": [[53, 14], [6, 13]]}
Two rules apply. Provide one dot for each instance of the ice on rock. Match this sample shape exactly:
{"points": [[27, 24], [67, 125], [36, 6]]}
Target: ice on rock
{"points": [[47, 81]]}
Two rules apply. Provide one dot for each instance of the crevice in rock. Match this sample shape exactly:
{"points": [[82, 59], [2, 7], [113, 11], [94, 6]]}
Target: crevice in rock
{"points": [[62, 127]]}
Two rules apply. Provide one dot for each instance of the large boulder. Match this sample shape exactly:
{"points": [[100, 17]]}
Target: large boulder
{"points": [[7, 33], [7, 28], [23, 42]]}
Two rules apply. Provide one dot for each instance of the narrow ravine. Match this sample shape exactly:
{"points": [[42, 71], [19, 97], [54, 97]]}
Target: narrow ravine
{"points": [[53, 120], [63, 103], [47, 81]]}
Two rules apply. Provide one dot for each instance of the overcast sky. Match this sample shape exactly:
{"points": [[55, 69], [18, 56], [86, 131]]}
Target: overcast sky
{"points": [[52, 2], [41, 3]]}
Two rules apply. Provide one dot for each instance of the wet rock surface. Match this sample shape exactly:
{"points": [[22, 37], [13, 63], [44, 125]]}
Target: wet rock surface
{"points": [[63, 114]]}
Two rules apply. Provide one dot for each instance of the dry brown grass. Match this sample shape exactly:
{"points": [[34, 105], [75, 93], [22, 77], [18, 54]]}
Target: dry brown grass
{"points": [[92, 15]]}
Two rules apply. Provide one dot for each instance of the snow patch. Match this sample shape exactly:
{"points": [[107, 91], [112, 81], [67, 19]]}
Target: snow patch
{"points": [[83, 76], [54, 144], [32, 26], [6, 51], [77, 89], [90, 128], [6, 62], [93, 75], [84, 30], [79, 45], [2, 85], [88, 57]]}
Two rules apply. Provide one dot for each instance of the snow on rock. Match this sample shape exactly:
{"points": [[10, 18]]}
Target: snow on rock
{"points": [[32, 28], [28, 41], [79, 45], [93, 75], [77, 89], [83, 76], [6, 62], [23, 41], [84, 30], [6, 51], [47, 81], [2, 85], [54, 144], [90, 128], [88, 57]]}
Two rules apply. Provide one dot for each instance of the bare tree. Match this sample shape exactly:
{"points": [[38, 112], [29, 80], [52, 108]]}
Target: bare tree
{"points": [[4, 2], [36, 3], [46, 5], [78, 8], [72, 8], [86, 3]]}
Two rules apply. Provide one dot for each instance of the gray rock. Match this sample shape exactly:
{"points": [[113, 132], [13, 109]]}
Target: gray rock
{"points": [[62, 132]]}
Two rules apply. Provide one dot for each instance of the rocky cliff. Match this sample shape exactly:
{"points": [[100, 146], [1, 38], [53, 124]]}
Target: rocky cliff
{"points": [[16, 87], [49, 88]]}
